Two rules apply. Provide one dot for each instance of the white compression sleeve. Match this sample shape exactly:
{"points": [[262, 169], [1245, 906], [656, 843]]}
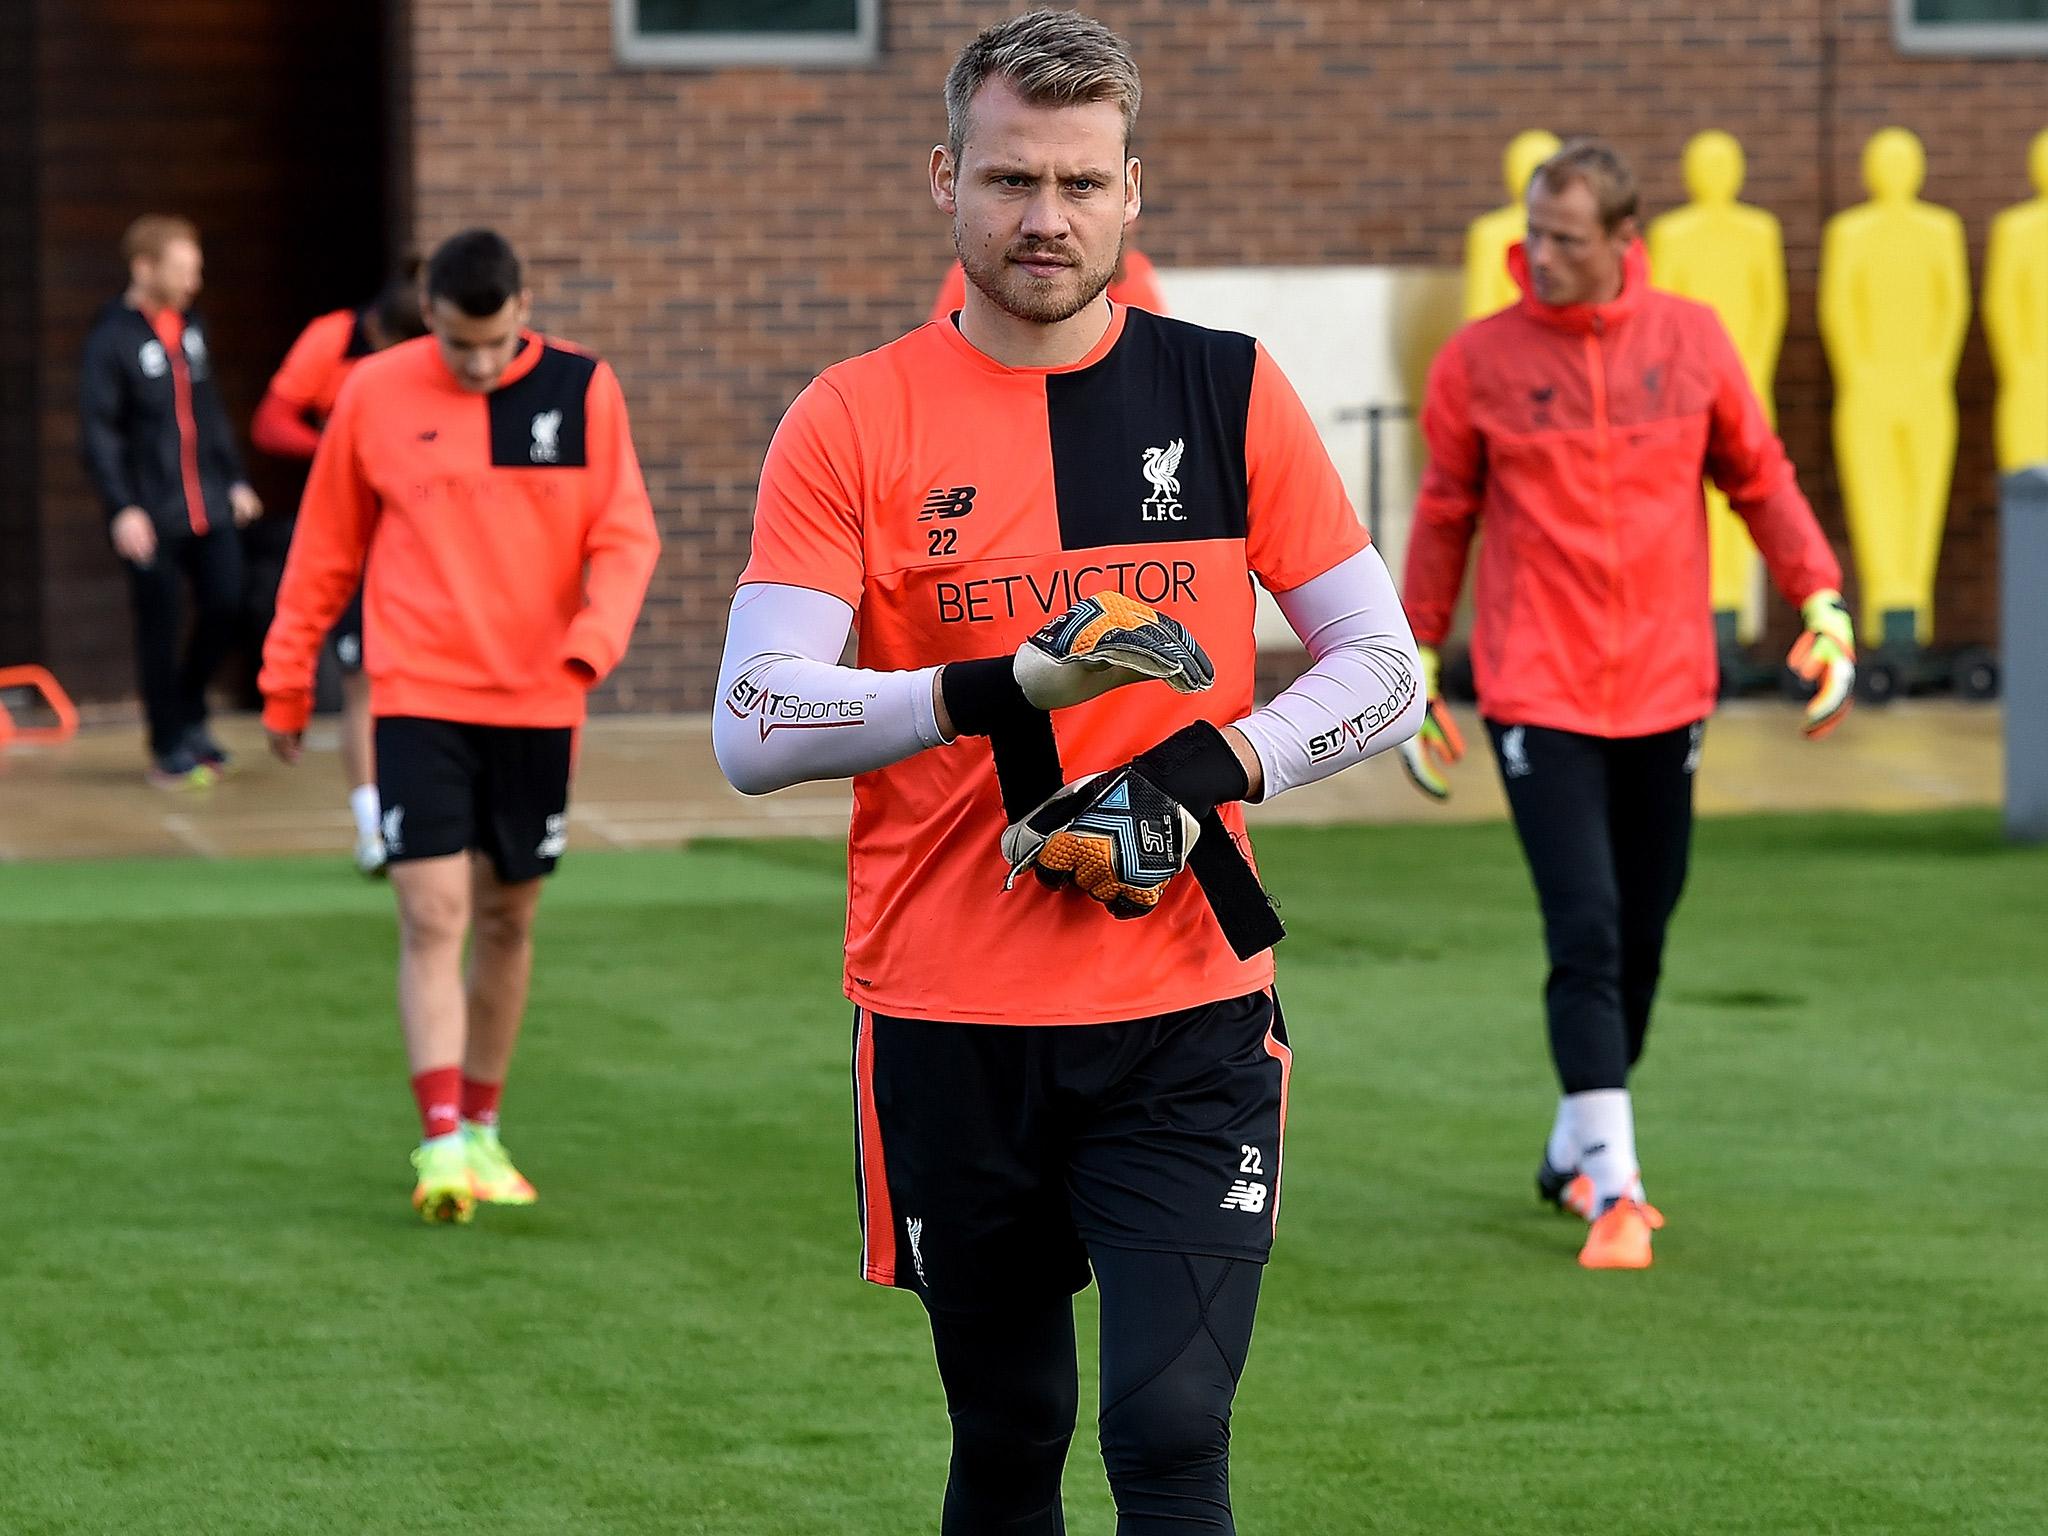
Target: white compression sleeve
{"points": [[787, 712], [1363, 693]]}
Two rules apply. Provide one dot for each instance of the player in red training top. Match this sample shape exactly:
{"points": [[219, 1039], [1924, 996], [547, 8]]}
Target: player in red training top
{"points": [[480, 486], [294, 409], [1023, 506], [1577, 426]]}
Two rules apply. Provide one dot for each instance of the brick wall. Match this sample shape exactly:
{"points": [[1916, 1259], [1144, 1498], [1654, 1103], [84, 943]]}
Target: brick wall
{"points": [[723, 235]]}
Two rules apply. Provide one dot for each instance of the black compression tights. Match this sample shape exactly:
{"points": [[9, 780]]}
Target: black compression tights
{"points": [[1175, 1332]]}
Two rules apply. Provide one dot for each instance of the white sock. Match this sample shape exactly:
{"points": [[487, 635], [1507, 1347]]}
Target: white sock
{"points": [[362, 802], [1563, 1151], [1606, 1125], [452, 1139]]}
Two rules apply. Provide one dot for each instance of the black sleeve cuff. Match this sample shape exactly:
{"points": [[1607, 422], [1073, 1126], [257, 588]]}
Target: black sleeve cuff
{"points": [[1196, 766], [983, 696]]}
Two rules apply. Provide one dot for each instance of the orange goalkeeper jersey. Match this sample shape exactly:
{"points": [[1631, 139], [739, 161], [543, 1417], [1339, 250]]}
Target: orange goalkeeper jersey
{"points": [[508, 540], [956, 505]]}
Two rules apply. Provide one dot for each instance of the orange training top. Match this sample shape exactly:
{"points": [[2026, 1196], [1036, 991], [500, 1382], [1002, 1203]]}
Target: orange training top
{"points": [[957, 505], [508, 538], [308, 382]]}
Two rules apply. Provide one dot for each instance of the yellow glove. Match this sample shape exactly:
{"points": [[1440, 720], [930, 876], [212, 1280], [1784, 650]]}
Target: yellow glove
{"points": [[1825, 655], [1438, 744]]}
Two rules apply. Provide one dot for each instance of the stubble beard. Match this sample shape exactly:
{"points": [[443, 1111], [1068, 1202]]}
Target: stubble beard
{"points": [[1036, 300]]}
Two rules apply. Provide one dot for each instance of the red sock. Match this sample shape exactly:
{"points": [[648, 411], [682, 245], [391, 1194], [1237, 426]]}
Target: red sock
{"points": [[438, 1091], [480, 1101]]}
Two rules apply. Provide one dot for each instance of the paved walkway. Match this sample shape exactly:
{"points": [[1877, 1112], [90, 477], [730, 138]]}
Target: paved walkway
{"points": [[651, 782]]}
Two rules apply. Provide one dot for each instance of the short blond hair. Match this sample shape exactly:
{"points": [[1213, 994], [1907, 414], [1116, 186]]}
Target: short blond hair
{"points": [[150, 234], [1052, 59], [1606, 175]]}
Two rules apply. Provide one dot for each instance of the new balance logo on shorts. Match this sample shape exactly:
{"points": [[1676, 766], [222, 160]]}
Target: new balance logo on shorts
{"points": [[555, 840], [394, 822], [1514, 752], [1245, 1196]]}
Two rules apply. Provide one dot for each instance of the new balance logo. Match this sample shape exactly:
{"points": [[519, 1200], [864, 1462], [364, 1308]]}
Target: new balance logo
{"points": [[1245, 1196], [1514, 752], [947, 501], [554, 840], [430, 434], [914, 1226], [394, 823]]}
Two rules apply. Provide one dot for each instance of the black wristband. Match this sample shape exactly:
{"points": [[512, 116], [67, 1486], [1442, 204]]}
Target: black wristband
{"points": [[983, 696], [984, 700], [1196, 766]]}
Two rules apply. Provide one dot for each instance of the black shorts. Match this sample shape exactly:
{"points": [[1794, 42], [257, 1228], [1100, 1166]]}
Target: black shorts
{"points": [[447, 787], [991, 1156], [347, 635]]}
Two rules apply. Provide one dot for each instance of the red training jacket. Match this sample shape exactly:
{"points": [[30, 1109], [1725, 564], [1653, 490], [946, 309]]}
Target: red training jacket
{"points": [[1581, 435]]}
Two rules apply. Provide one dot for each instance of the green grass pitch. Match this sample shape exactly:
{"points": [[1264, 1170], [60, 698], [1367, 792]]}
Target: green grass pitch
{"points": [[218, 1316]]}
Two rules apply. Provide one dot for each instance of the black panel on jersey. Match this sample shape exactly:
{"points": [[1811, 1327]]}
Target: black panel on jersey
{"points": [[1148, 444], [537, 421]]}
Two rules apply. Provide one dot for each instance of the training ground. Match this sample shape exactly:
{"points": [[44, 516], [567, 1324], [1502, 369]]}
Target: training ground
{"points": [[218, 1316]]}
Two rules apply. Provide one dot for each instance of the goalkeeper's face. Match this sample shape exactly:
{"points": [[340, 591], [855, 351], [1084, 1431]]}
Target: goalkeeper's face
{"points": [[1040, 198]]}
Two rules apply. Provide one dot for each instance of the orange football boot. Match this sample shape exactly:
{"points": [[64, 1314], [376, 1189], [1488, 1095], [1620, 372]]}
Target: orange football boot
{"points": [[1620, 1236]]}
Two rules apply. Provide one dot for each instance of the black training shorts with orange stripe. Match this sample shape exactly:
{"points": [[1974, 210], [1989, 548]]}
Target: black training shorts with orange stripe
{"points": [[993, 1158]]}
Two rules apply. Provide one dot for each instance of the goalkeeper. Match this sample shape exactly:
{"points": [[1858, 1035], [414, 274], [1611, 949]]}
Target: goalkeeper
{"points": [[1577, 427], [1041, 517]]}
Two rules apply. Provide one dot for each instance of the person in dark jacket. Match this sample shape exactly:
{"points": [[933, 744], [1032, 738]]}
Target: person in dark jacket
{"points": [[161, 455]]}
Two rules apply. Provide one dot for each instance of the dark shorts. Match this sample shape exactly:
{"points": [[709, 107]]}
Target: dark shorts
{"points": [[500, 789], [347, 635], [992, 1156]]}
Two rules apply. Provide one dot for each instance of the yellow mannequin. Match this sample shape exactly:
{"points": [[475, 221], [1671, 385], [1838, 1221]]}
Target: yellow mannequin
{"points": [[2016, 319], [1730, 257], [1894, 305], [1487, 285]]}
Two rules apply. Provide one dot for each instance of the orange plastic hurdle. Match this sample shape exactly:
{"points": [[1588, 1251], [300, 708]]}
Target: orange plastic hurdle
{"points": [[54, 696]]}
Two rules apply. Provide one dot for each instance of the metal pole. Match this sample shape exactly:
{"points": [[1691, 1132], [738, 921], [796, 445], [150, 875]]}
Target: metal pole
{"points": [[2023, 624]]}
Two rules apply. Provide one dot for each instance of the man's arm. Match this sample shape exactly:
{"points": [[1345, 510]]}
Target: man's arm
{"points": [[1304, 541], [1747, 461], [1447, 506], [1363, 693], [788, 713], [102, 423], [332, 539], [621, 545], [280, 427]]}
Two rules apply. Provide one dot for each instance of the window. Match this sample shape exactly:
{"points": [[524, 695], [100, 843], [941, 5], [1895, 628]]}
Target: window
{"points": [[1971, 26], [712, 32]]}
